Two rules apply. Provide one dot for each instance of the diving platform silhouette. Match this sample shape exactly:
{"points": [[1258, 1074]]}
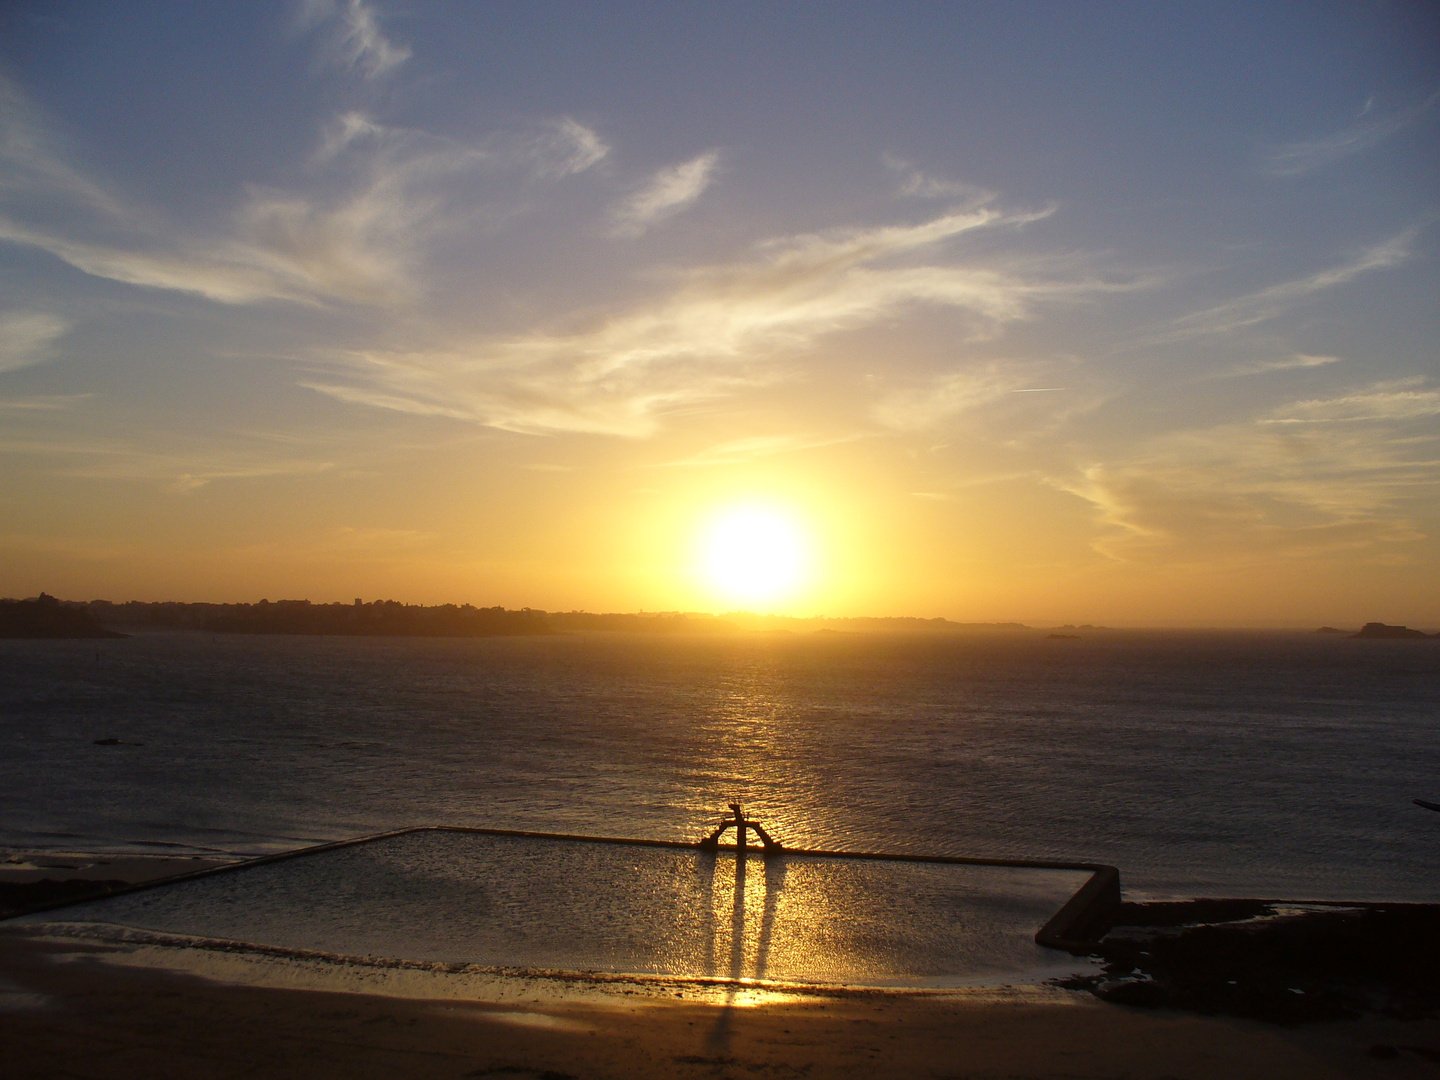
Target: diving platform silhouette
{"points": [[740, 823]]}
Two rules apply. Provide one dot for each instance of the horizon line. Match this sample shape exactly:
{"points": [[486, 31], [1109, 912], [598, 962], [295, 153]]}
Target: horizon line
{"points": [[943, 620]]}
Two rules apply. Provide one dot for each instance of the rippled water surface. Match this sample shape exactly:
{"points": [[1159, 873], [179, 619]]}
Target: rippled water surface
{"points": [[1231, 764]]}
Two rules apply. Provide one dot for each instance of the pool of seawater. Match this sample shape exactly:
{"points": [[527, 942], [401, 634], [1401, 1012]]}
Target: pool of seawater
{"points": [[457, 897]]}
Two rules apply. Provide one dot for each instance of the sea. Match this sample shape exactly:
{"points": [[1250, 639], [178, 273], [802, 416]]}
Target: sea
{"points": [[1274, 765]]}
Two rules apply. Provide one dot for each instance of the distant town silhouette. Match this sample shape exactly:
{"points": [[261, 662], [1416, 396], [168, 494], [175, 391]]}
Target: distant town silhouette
{"points": [[45, 616]]}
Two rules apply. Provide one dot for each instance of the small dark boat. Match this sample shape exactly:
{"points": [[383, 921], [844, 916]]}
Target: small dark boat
{"points": [[1427, 805]]}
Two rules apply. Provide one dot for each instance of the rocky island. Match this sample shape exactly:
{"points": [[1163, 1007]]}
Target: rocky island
{"points": [[1381, 630]]}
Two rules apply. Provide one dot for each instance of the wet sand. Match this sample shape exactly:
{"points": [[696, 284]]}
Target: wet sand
{"points": [[70, 1007]]}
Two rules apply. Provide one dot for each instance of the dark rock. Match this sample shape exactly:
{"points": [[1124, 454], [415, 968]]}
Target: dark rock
{"points": [[1285, 968], [16, 898]]}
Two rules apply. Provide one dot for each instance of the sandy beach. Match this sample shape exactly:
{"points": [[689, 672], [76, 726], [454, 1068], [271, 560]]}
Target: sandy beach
{"points": [[71, 1006]]}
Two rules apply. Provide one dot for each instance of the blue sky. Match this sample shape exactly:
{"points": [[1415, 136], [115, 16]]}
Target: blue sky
{"points": [[1104, 312]]}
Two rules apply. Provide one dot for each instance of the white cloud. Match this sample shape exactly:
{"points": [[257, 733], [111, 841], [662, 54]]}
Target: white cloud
{"points": [[665, 194], [1304, 156], [915, 183], [546, 400], [32, 161], [1294, 362], [723, 329], [229, 277], [946, 396], [49, 204], [354, 40], [346, 130], [1401, 399], [26, 337], [568, 148], [1269, 303], [376, 195], [1299, 482]]}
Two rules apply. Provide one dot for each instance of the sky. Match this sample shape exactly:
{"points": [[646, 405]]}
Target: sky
{"points": [[1120, 313]]}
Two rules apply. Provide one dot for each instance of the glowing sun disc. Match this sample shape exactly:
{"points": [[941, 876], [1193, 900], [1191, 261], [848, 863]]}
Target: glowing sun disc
{"points": [[753, 554]]}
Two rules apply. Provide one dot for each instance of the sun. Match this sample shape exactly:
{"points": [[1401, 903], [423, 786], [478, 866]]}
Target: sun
{"points": [[753, 555]]}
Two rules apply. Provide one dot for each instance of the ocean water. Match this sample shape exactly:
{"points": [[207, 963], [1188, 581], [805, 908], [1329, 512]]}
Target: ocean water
{"points": [[1229, 764]]}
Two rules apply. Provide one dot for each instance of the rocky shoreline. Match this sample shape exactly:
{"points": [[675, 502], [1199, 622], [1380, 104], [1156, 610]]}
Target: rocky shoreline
{"points": [[1284, 963]]}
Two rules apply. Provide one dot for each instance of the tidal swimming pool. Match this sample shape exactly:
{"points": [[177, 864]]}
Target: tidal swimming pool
{"points": [[571, 905]]}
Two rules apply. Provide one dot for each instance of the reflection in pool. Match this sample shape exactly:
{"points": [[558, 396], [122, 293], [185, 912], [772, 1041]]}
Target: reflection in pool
{"points": [[527, 902]]}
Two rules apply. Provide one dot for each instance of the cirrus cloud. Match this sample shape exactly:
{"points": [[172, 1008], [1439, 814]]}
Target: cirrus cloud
{"points": [[722, 329], [1307, 155], [665, 194], [353, 38], [1270, 303], [355, 234], [26, 337], [1299, 481]]}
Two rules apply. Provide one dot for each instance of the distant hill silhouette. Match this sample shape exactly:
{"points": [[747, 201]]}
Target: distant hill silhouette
{"points": [[384, 618], [46, 617], [1380, 630], [388, 618]]}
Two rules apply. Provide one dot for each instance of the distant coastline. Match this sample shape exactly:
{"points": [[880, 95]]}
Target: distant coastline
{"points": [[389, 618], [47, 617]]}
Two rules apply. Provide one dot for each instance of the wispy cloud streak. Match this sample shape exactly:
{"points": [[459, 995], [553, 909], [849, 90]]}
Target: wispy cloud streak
{"points": [[1302, 480], [354, 38], [1269, 303], [1305, 156], [1399, 399], [913, 182], [377, 194], [568, 148], [26, 337], [1296, 362], [664, 195], [947, 396], [725, 328]]}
